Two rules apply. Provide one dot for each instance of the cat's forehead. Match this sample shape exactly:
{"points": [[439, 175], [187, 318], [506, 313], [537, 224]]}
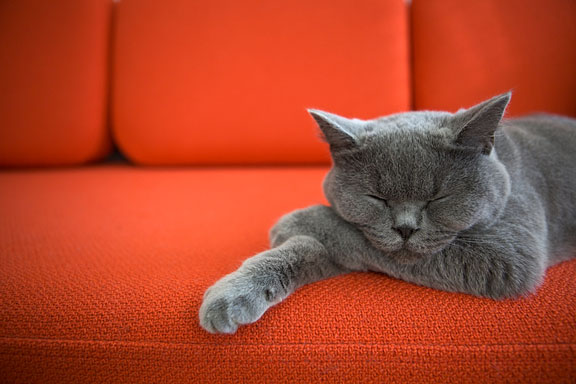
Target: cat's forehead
{"points": [[417, 122], [410, 168], [404, 153], [402, 134], [413, 144]]}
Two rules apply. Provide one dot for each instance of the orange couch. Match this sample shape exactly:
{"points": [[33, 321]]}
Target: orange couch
{"points": [[103, 263]]}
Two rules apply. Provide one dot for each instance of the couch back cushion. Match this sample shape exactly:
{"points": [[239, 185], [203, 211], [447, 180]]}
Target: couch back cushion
{"points": [[465, 51], [53, 81], [228, 82]]}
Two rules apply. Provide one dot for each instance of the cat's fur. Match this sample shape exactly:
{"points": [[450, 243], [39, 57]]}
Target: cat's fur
{"points": [[461, 202]]}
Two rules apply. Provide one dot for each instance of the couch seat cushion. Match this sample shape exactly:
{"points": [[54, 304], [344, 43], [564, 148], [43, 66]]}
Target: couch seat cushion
{"points": [[103, 270]]}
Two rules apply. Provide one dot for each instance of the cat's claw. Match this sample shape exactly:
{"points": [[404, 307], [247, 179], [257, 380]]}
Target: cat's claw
{"points": [[232, 301]]}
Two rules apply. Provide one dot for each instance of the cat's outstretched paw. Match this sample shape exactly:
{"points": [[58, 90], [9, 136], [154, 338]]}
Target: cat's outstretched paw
{"points": [[236, 299]]}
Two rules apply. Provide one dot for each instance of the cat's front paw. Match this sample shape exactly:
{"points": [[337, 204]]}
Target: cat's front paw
{"points": [[236, 299]]}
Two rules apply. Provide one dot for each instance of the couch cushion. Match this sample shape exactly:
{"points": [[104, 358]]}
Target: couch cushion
{"points": [[53, 75], [466, 51], [104, 268], [228, 82]]}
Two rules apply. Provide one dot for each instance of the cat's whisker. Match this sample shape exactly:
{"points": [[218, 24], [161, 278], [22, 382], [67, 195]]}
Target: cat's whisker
{"points": [[487, 240]]}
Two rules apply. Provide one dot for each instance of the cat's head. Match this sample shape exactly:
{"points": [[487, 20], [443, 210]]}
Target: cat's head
{"points": [[412, 181]]}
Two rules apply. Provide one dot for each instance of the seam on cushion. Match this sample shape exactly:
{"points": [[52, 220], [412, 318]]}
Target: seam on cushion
{"points": [[406, 346], [173, 352], [283, 360]]}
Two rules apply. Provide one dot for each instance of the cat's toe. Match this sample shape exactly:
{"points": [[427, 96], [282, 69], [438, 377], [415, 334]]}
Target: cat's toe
{"points": [[232, 302], [215, 316]]}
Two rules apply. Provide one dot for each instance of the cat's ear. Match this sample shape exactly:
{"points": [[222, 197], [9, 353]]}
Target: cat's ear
{"points": [[476, 126], [338, 131]]}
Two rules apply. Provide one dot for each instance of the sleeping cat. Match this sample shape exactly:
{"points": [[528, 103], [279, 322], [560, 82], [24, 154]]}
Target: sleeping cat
{"points": [[460, 202]]}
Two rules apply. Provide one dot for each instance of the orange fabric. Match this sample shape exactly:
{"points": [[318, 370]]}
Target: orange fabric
{"points": [[466, 51], [228, 82], [103, 271], [53, 64]]}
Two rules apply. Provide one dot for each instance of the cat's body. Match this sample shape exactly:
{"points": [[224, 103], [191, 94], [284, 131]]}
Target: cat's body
{"points": [[459, 202], [545, 148]]}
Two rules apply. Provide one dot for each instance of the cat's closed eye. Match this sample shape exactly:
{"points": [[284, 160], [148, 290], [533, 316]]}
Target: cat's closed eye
{"points": [[379, 199], [438, 199]]}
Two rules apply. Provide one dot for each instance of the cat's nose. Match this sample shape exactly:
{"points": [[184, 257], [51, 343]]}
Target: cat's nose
{"points": [[405, 231]]}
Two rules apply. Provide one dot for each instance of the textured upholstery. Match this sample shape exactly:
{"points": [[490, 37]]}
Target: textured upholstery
{"points": [[53, 81], [103, 271], [466, 51], [228, 82], [103, 268]]}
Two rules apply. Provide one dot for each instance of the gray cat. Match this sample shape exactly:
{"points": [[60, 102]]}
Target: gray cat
{"points": [[460, 202]]}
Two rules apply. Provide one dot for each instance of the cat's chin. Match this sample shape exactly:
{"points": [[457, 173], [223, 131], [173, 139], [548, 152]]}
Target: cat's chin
{"points": [[406, 253], [399, 252], [429, 250], [385, 246], [406, 257]]}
